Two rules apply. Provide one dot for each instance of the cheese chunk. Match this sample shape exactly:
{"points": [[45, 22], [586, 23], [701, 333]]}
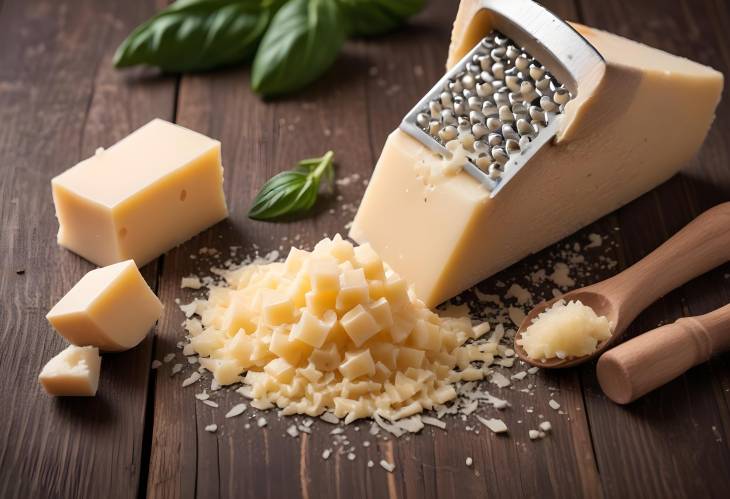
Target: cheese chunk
{"points": [[111, 308], [623, 135], [146, 194], [73, 372]]}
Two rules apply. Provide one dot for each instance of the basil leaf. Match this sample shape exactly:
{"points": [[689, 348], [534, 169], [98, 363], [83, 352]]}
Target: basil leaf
{"points": [[292, 192], [374, 17], [193, 35], [302, 41]]}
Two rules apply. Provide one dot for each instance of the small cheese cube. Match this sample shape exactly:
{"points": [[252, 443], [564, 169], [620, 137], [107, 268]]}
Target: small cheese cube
{"points": [[284, 346], [402, 327], [410, 357], [225, 371], [341, 249], [240, 347], [311, 330], [386, 353], [280, 369], [353, 290], [367, 259], [146, 194], [357, 364], [359, 325], [396, 291], [208, 341], [426, 336], [238, 315], [324, 274], [319, 302], [295, 260], [380, 310], [111, 308], [278, 309], [325, 359], [73, 372]]}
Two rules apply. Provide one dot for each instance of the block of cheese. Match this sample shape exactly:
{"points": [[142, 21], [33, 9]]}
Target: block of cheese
{"points": [[144, 195], [111, 308], [73, 372], [623, 135]]}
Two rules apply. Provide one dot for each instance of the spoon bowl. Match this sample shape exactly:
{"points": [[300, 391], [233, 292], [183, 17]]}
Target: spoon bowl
{"points": [[701, 245], [601, 305]]}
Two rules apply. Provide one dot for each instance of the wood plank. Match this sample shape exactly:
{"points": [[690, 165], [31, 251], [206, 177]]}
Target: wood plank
{"points": [[59, 100], [352, 109], [672, 442]]}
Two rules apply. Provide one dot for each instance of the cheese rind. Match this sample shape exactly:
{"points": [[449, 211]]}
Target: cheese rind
{"points": [[73, 372], [111, 308], [146, 194], [445, 233]]}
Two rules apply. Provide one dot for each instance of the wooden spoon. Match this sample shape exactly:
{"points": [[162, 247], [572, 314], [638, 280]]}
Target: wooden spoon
{"points": [[700, 246]]}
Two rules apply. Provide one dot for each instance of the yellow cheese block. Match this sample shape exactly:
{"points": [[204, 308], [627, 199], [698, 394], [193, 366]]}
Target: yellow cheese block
{"points": [[623, 135], [73, 372], [111, 308], [146, 194]]}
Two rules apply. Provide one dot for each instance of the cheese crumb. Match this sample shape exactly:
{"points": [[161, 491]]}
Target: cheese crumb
{"points": [[495, 425], [191, 282], [520, 294], [191, 379], [168, 358], [554, 405], [546, 426], [370, 464], [565, 330], [211, 428], [210, 403], [236, 410], [595, 241], [156, 364], [292, 431], [261, 422], [469, 461], [326, 454], [176, 369], [433, 422], [561, 276], [389, 467], [533, 434]]}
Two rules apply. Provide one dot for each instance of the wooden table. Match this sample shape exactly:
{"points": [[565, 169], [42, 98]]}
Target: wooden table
{"points": [[60, 99]]}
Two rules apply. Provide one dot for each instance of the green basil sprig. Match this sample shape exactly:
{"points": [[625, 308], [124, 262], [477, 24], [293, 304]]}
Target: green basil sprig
{"points": [[302, 41], [293, 192], [194, 35], [375, 17], [292, 42]]}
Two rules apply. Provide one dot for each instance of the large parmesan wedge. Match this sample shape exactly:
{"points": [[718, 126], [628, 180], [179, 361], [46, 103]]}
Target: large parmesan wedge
{"points": [[623, 135]]}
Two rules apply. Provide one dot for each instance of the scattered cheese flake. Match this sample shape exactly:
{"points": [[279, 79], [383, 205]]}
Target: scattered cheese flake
{"points": [[167, 358], [292, 431], [516, 315], [553, 404], [469, 461], [561, 276], [176, 369], [500, 380], [210, 403], [370, 464], [495, 425], [191, 282], [261, 422], [156, 364], [351, 456], [326, 453], [595, 241], [546, 426], [195, 376], [236, 410], [330, 418], [520, 294], [211, 428], [520, 375], [389, 467], [433, 422], [533, 434], [533, 370], [202, 396]]}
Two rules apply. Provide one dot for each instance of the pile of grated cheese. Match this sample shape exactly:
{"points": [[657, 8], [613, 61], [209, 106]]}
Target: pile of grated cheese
{"points": [[334, 331]]}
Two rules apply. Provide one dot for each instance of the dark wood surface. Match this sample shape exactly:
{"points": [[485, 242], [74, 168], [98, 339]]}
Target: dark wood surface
{"points": [[144, 435]]}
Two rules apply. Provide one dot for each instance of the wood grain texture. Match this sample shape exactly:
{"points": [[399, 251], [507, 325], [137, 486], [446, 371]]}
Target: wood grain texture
{"points": [[59, 100], [674, 441]]}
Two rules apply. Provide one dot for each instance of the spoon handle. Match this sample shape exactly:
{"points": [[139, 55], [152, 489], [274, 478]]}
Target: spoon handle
{"points": [[652, 359], [701, 245]]}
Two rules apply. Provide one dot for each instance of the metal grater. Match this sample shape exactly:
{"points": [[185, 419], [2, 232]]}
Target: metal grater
{"points": [[500, 102]]}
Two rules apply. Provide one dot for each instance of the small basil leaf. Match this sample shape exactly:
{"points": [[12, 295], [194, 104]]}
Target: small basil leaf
{"points": [[374, 17], [292, 192], [302, 41], [193, 35]]}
